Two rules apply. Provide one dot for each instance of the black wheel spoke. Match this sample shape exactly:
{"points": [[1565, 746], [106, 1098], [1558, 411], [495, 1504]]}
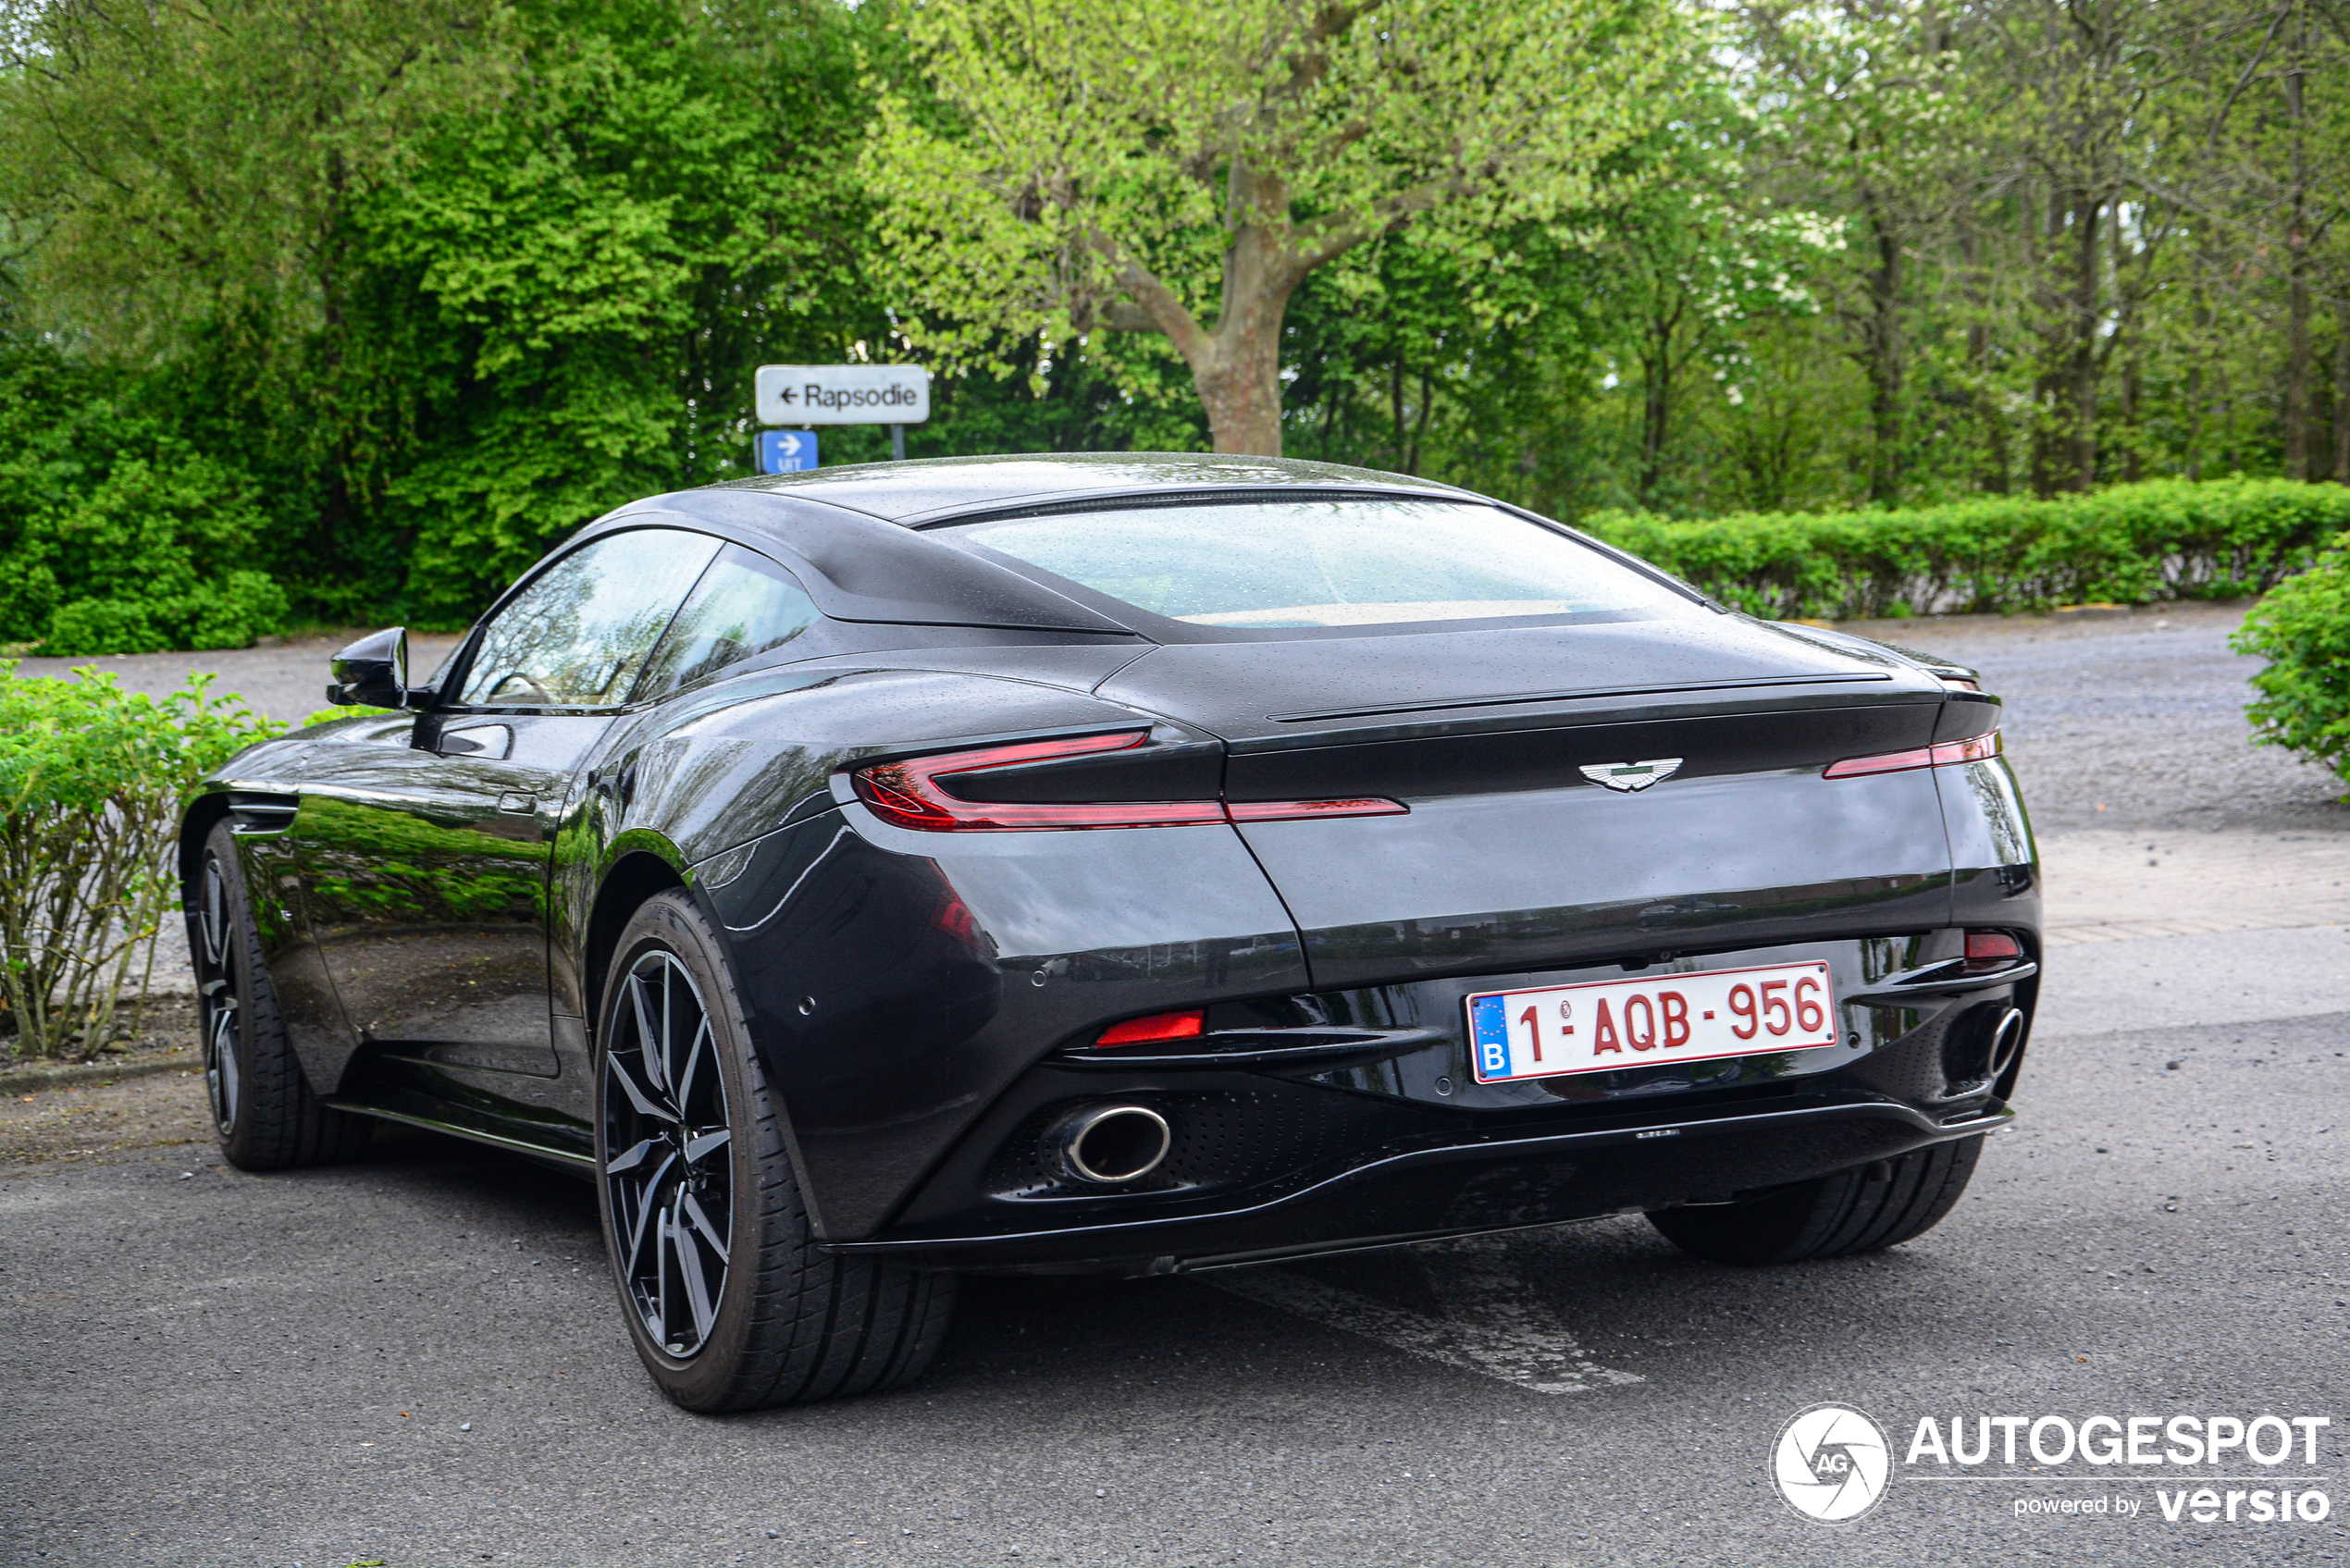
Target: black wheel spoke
{"points": [[629, 1160], [693, 1211], [684, 1081], [646, 1104], [216, 993], [689, 1271], [645, 1034], [668, 1171]]}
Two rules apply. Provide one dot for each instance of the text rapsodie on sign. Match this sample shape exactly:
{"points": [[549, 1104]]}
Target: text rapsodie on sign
{"points": [[857, 397]]}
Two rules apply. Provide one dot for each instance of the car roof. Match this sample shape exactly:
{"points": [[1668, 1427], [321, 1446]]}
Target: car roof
{"points": [[854, 534], [935, 489]]}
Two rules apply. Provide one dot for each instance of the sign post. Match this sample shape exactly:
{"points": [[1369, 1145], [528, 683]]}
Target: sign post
{"points": [[894, 395]]}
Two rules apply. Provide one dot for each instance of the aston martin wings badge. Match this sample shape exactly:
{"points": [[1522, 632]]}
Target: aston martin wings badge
{"points": [[1628, 777]]}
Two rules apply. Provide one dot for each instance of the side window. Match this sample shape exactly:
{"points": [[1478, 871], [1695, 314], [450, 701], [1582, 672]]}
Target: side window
{"points": [[577, 636], [744, 605]]}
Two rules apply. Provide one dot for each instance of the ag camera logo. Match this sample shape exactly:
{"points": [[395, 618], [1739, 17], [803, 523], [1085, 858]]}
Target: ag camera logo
{"points": [[1831, 1464]]}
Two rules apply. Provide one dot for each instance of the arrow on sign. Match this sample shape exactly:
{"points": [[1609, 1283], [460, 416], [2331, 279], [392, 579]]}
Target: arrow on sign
{"points": [[786, 452]]}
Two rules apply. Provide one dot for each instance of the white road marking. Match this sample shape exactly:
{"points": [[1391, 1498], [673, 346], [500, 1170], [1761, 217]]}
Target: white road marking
{"points": [[1492, 1324]]}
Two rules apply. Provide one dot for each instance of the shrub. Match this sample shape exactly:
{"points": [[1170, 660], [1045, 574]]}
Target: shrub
{"points": [[117, 536], [2131, 544], [91, 779], [2303, 629], [228, 613]]}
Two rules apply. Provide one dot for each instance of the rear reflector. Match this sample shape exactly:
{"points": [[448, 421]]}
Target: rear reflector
{"points": [[1974, 749], [908, 794], [1992, 947], [1185, 1025]]}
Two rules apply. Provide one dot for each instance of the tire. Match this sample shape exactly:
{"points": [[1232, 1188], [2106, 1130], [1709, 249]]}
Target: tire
{"points": [[1853, 1211], [727, 1299], [262, 1105]]}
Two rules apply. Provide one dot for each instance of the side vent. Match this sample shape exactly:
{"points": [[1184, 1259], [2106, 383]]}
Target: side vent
{"points": [[250, 812]]}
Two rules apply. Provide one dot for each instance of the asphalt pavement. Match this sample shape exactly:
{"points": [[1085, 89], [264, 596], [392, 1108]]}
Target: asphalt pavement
{"points": [[417, 1359]]}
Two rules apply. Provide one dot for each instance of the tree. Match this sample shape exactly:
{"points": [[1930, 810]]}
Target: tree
{"points": [[1871, 96], [1180, 169]]}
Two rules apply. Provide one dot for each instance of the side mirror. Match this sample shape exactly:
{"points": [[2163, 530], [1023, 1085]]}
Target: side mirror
{"points": [[374, 671]]}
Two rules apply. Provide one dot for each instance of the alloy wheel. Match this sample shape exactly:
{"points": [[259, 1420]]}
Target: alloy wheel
{"points": [[217, 996], [668, 1168]]}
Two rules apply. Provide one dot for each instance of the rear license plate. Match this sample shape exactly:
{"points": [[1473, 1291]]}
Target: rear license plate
{"points": [[1610, 1024]]}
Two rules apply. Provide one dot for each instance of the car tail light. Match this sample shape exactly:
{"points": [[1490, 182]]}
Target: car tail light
{"points": [[1185, 1025], [910, 794], [1959, 683], [1991, 949], [1943, 754]]}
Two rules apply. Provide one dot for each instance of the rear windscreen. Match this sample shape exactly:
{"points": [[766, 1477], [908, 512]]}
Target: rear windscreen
{"points": [[1358, 561]]}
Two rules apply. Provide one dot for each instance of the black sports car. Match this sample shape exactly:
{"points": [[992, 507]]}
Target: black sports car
{"points": [[1138, 863]]}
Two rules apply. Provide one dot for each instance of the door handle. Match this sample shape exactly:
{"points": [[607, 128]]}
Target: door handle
{"points": [[520, 805]]}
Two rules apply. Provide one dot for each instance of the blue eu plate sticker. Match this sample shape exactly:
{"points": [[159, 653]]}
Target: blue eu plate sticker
{"points": [[1490, 1036]]}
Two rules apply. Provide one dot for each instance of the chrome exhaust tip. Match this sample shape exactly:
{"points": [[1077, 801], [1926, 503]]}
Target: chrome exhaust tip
{"points": [[1106, 1145], [2004, 1040]]}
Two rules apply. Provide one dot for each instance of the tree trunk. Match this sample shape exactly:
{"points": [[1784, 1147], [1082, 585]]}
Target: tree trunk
{"points": [[2133, 395], [2084, 347], [1395, 406], [2341, 397], [1240, 384], [1993, 474], [2296, 244], [2296, 368], [2051, 409], [1420, 423], [2201, 317], [1881, 357], [1236, 368], [1656, 401]]}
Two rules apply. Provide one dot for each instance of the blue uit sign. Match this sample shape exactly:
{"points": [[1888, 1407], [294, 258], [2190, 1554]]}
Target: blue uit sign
{"points": [[786, 452]]}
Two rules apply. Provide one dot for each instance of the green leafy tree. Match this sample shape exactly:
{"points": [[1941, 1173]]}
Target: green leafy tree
{"points": [[1181, 169], [573, 293]]}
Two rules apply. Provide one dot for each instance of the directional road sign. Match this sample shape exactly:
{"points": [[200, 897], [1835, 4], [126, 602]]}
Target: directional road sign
{"points": [[842, 394], [786, 452]]}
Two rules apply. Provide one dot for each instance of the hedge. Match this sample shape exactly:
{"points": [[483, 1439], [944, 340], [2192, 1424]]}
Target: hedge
{"points": [[2132, 544]]}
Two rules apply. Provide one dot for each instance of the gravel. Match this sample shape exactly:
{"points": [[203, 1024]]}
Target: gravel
{"points": [[286, 681], [2132, 721]]}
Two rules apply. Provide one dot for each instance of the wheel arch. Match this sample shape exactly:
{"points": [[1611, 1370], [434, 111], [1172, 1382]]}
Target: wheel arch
{"points": [[635, 877], [202, 814]]}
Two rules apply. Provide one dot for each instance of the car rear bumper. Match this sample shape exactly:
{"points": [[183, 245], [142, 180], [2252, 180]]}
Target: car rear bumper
{"points": [[922, 1002], [1466, 1180]]}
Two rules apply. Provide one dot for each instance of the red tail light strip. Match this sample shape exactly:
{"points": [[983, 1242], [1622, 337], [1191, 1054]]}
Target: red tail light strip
{"points": [[1948, 753], [907, 795]]}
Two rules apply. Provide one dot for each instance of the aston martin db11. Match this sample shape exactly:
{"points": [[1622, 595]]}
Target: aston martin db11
{"points": [[1132, 864]]}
